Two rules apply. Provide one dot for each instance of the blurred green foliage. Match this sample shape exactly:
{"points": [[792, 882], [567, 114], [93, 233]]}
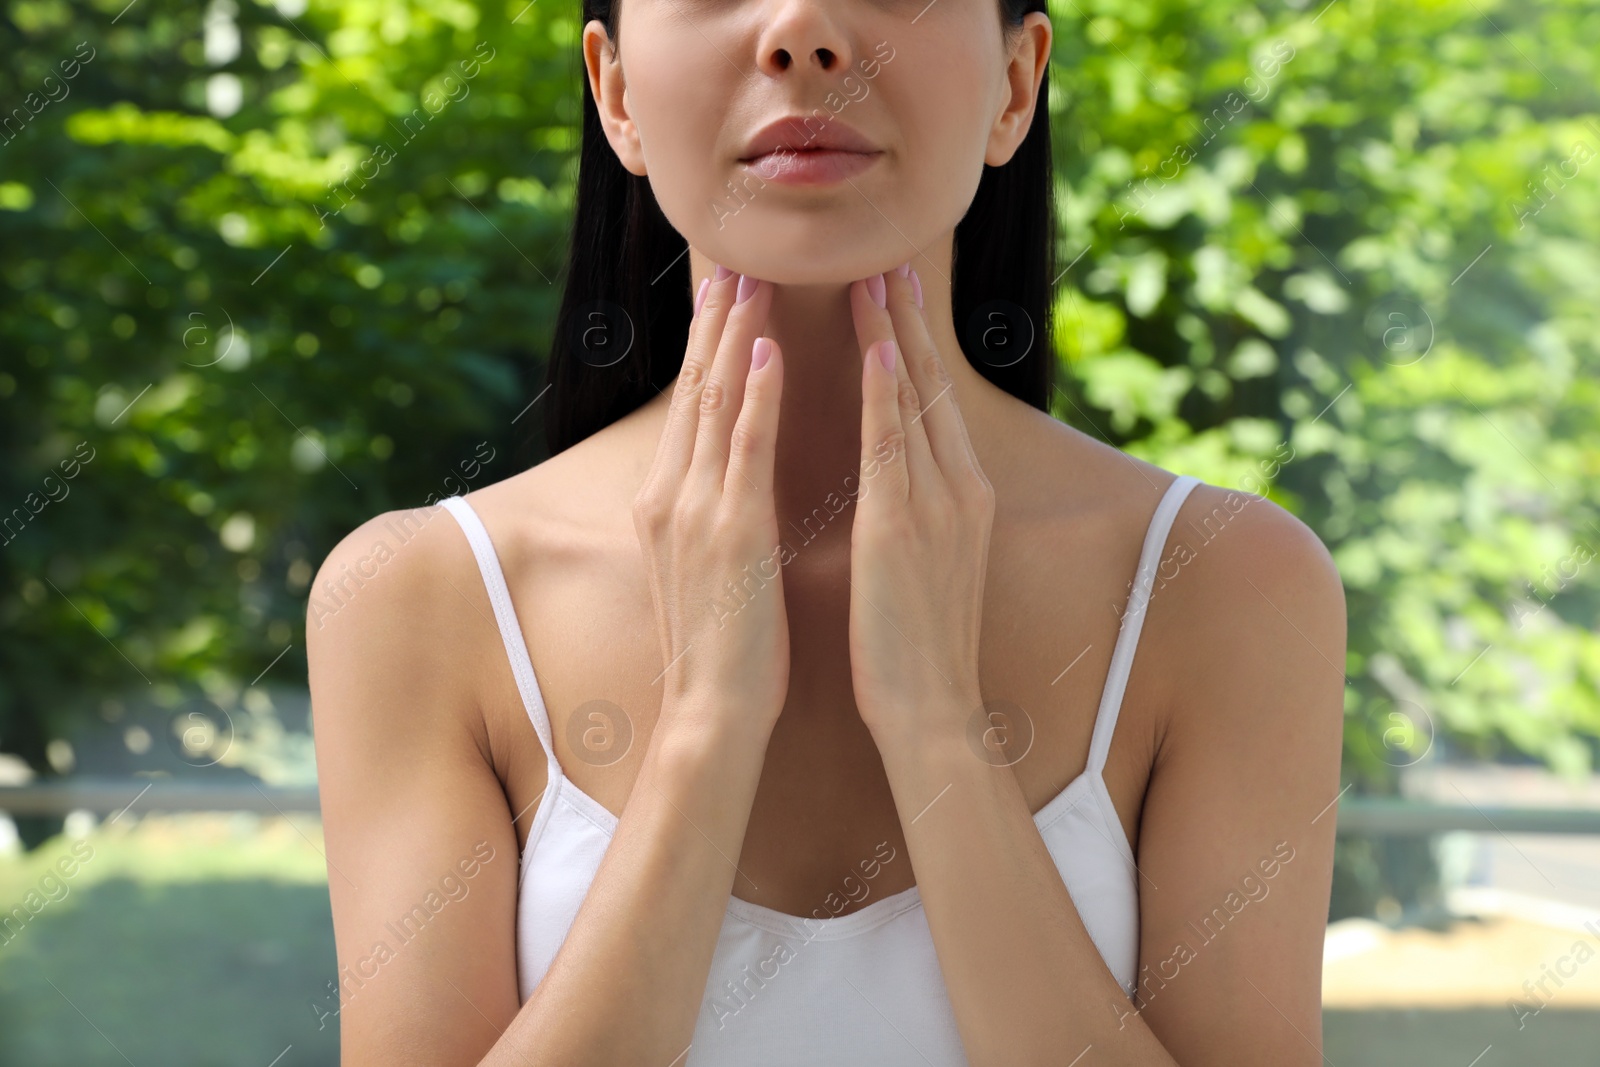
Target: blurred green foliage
{"points": [[282, 268], [1361, 242]]}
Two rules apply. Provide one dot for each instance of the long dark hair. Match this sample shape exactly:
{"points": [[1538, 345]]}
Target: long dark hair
{"points": [[626, 303]]}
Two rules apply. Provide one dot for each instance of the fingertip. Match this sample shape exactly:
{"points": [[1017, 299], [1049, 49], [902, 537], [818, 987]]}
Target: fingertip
{"points": [[877, 289], [761, 352]]}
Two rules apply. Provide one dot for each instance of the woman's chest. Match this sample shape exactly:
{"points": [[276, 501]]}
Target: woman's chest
{"points": [[824, 803]]}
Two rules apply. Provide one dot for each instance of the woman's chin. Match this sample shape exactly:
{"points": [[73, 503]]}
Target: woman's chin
{"points": [[803, 265]]}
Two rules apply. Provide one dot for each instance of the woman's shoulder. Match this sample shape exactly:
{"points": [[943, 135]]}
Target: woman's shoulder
{"points": [[408, 587], [1089, 483], [390, 611], [387, 563], [1241, 586], [1233, 559], [405, 556]]}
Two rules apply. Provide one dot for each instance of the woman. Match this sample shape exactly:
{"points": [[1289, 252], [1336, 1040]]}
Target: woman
{"points": [[840, 751]]}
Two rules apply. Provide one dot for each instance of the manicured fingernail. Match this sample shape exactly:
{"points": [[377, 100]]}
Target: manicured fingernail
{"points": [[877, 290], [916, 287], [903, 269], [722, 272], [760, 353], [700, 294], [886, 355], [747, 288]]}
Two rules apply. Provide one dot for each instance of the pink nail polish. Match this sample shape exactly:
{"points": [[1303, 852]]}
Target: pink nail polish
{"points": [[700, 294], [916, 287], [903, 269], [760, 352], [747, 288], [877, 290], [722, 272], [886, 355]]}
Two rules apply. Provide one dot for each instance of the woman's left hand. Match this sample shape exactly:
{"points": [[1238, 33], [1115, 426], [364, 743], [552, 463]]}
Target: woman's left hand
{"points": [[919, 546]]}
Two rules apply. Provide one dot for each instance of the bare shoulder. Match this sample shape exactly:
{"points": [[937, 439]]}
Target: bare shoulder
{"points": [[1244, 594], [400, 620], [394, 620], [1230, 556], [407, 581], [1240, 564], [1242, 586]]}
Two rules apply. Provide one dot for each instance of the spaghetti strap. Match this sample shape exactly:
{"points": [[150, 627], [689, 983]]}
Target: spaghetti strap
{"points": [[1155, 539], [505, 616]]}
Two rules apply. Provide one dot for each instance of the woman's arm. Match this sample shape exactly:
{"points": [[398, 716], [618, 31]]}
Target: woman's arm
{"points": [[1240, 812], [408, 783], [1237, 817], [408, 793], [1247, 770], [422, 857]]}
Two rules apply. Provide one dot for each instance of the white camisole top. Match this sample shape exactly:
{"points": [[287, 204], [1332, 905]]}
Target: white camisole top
{"points": [[841, 990]]}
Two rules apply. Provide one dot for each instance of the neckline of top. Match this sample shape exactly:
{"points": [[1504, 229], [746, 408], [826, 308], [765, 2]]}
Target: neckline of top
{"points": [[874, 914]]}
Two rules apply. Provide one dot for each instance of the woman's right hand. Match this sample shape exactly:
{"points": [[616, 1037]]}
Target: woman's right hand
{"points": [[708, 526]]}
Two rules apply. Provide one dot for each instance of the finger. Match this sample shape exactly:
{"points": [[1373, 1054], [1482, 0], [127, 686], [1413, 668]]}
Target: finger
{"points": [[941, 416], [753, 446], [683, 411], [873, 326], [721, 396], [884, 469]]}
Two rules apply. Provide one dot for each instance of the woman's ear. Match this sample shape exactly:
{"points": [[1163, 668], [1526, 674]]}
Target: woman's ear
{"points": [[604, 69], [1030, 55]]}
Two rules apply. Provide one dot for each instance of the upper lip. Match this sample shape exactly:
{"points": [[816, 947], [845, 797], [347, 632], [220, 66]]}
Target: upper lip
{"points": [[793, 132]]}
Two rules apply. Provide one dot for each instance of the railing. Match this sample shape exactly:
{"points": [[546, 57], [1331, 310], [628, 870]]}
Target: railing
{"points": [[111, 795], [1397, 817], [1361, 816]]}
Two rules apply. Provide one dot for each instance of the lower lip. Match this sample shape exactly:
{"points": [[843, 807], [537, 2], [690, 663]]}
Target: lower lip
{"points": [[810, 167]]}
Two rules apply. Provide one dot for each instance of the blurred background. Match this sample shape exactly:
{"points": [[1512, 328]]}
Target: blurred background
{"points": [[271, 267]]}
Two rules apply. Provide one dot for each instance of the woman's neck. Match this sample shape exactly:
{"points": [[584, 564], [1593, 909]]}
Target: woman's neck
{"points": [[819, 430]]}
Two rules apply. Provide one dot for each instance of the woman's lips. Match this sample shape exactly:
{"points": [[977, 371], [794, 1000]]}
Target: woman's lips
{"points": [[812, 166]]}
